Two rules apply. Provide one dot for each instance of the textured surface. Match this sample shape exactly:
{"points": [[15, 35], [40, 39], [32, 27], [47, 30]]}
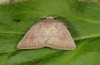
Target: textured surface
{"points": [[49, 32], [82, 19]]}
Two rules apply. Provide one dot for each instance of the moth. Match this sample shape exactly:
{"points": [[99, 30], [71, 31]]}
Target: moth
{"points": [[49, 32]]}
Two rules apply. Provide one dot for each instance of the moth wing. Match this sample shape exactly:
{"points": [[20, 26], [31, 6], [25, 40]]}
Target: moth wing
{"points": [[31, 40], [62, 40]]}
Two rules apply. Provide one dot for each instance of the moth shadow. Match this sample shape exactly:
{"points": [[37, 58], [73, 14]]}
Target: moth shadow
{"points": [[73, 31]]}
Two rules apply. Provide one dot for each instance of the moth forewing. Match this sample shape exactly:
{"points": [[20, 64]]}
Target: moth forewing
{"points": [[49, 32], [60, 37], [31, 39]]}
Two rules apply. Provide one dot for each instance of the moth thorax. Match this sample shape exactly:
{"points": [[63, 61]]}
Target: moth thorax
{"points": [[50, 17]]}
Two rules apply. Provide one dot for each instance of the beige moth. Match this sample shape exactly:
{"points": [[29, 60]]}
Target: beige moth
{"points": [[49, 32]]}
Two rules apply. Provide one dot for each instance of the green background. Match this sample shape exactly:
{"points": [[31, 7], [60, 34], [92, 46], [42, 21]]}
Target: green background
{"points": [[82, 19]]}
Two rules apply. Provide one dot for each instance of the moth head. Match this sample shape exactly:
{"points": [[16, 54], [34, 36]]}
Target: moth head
{"points": [[50, 17]]}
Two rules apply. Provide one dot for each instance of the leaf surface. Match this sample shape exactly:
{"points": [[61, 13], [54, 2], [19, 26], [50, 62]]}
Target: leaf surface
{"points": [[81, 18]]}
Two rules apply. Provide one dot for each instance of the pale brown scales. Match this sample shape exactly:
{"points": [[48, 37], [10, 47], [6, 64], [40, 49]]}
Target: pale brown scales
{"points": [[49, 32]]}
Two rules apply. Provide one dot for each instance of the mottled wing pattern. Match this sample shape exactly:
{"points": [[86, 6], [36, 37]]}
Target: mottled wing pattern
{"points": [[59, 37], [32, 39], [50, 33]]}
